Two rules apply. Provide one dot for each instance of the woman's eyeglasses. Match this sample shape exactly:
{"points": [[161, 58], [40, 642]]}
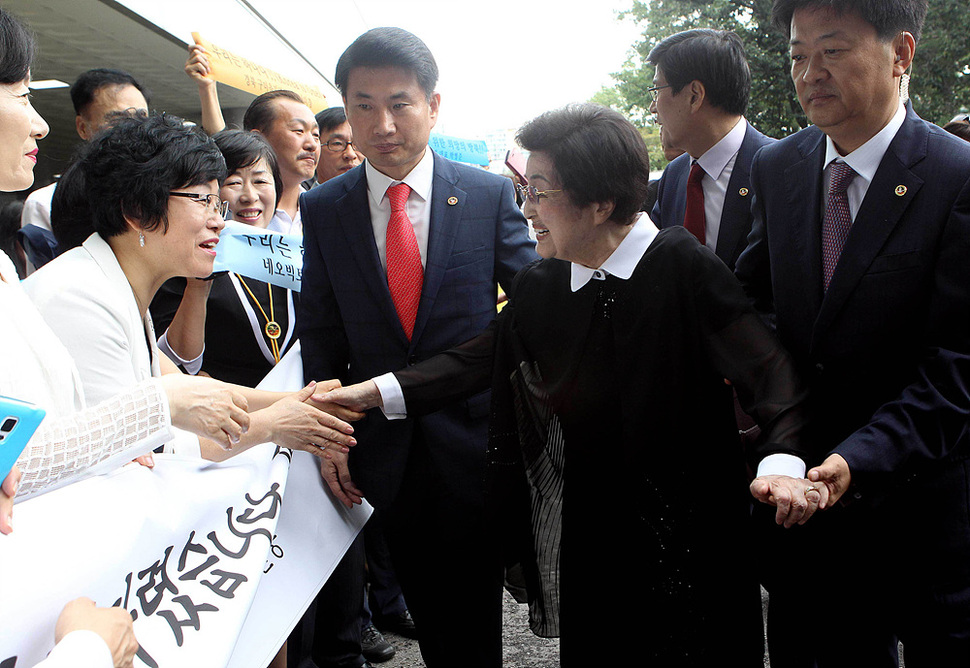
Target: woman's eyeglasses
{"points": [[532, 195], [211, 202]]}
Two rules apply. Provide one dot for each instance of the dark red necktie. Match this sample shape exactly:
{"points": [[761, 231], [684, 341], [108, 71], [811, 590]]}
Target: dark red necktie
{"points": [[837, 220], [694, 219], [405, 276]]}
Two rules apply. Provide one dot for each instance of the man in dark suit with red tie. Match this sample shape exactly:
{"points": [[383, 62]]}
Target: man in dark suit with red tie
{"points": [[403, 255], [859, 252], [700, 94]]}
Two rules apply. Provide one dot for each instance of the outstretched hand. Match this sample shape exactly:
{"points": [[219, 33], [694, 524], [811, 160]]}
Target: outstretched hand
{"points": [[359, 397], [298, 424], [832, 475], [320, 399], [796, 499], [206, 407]]}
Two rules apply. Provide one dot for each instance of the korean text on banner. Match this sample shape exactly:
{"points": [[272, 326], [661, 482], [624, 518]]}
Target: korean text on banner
{"points": [[244, 74], [270, 257]]}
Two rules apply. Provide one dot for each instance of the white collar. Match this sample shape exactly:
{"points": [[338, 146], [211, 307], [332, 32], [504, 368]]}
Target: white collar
{"points": [[716, 158], [865, 159], [419, 179], [622, 261]]}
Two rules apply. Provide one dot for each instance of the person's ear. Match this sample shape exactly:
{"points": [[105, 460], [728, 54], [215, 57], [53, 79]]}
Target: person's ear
{"points": [[697, 94], [602, 211], [82, 127], [904, 48]]}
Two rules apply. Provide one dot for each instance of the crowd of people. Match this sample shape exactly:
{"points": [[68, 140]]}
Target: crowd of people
{"points": [[761, 360]]}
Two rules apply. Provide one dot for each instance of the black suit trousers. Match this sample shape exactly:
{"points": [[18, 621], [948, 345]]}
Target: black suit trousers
{"points": [[449, 572]]}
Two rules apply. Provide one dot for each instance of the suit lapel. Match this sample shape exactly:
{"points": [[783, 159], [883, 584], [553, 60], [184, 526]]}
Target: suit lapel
{"points": [[737, 207], [353, 215], [447, 203], [892, 189], [677, 198]]}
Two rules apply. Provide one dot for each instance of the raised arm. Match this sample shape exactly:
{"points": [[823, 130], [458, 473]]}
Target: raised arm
{"points": [[198, 69]]}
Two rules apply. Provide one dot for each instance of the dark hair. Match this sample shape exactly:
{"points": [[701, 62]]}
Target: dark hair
{"points": [[713, 57], [330, 118], [16, 49], [9, 225], [244, 149], [262, 111], [389, 47], [89, 83], [128, 170], [960, 129], [597, 153], [888, 17]]}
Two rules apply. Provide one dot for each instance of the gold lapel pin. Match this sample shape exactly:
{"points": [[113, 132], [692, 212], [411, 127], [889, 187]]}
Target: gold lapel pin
{"points": [[743, 192], [452, 201], [900, 190]]}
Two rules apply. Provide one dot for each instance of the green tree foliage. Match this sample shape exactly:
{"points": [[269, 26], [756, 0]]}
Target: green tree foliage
{"points": [[941, 75]]}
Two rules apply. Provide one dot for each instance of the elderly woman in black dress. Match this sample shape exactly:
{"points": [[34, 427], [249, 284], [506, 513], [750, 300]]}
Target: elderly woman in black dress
{"points": [[616, 476]]}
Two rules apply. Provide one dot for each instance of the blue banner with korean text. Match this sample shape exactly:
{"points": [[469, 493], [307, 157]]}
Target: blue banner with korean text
{"points": [[270, 257], [470, 151]]}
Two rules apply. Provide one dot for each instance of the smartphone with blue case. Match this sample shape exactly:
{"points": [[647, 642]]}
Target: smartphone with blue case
{"points": [[18, 422]]}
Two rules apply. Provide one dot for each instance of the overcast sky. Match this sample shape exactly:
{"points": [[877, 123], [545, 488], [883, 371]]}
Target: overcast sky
{"points": [[502, 62]]}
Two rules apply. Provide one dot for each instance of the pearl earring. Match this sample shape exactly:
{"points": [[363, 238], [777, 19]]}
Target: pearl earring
{"points": [[141, 239]]}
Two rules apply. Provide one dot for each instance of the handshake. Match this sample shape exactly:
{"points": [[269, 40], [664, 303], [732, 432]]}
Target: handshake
{"points": [[797, 499], [359, 397]]}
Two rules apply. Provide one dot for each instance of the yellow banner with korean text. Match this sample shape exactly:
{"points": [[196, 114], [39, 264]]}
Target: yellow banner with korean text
{"points": [[244, 74]]}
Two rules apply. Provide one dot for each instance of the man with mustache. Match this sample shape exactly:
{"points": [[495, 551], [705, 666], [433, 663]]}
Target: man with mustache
{"points": [[858, 252], [291, 129]]}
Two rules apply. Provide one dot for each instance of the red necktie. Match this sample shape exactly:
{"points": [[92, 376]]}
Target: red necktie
{"points": [[405, 275], [837, 220], [694, 219]]}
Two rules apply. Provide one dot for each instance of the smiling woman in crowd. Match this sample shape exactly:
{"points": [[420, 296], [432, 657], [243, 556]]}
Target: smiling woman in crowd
{"points": [[232, 327]]}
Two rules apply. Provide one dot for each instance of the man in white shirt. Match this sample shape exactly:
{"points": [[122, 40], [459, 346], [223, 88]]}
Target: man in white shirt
{"points": [[96, 94], [858, 252], [291, 129], [402, 259], [700, 94]]}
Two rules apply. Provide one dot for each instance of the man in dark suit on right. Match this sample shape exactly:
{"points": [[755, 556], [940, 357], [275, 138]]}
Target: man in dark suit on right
{"points": [[700, 94], [860, 252]]}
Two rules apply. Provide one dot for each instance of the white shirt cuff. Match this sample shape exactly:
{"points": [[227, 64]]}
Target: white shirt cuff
{"points": [[192, 367], [782, 464], [79, 649], [391, 396]]}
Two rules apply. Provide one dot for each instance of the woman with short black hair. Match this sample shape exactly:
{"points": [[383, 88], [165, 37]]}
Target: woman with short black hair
{"points": [[150, 187]]}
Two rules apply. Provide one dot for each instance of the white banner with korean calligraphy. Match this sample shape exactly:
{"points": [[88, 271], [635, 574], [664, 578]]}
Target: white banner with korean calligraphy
{"points": [[209, 559]]}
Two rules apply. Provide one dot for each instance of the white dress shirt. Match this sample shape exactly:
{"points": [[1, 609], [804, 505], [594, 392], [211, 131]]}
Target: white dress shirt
{"points": [[718, 164], [864, 161], [37, 207], [283, 224], [420, 179]]}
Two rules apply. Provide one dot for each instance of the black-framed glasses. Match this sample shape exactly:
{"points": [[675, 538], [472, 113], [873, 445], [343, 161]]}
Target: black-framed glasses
{"points": [[533, 195], [655, 90], [339, 145], [211, 202]]}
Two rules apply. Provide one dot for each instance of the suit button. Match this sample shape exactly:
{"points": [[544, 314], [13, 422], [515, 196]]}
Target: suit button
{"points": [[412, 360]]}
